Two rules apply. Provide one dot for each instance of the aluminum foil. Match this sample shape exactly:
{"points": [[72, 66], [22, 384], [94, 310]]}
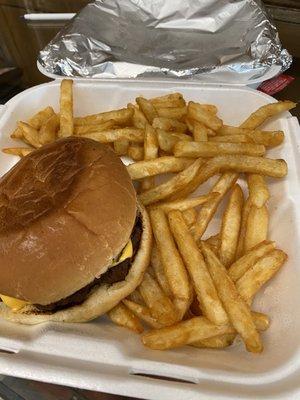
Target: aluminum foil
{"points": [[211, 40]]}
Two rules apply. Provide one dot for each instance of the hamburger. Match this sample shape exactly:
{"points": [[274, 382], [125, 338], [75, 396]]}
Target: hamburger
{"points": [[74, 240]]}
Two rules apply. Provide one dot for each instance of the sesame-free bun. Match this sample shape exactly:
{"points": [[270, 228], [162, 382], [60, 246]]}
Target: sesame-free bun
{"points": [[102, 298], [66, 211]]}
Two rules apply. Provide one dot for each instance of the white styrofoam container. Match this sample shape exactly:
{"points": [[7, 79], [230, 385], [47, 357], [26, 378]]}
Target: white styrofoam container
{"points": [[100, 356]]}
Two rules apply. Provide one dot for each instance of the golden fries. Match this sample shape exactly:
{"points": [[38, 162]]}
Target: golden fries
{"points": [[103, 126], [210, 149], [231, 139], [30, 134], [121, 147], [269, 110], [204, 116], [49, 129], [241, 242], [238, 268], [132, 134], [167, 140], [122, 316], [237, 310], [230, 227], [121, 117], [150, 153], [159, 272], [168, 100], [216, 342], [223, 185], [200, 132], [258, 190], [36, 121], [165, 190], [189, 216], [173, 265], [160, 306], [135, 151], [147, 108], [187, 204], [138, 118], [161, 165], [169, 124], [18, 151], [206, 293], [142, 312], [66, 108], [262, 271], [256, 227], [174, 113], [183, 333]]}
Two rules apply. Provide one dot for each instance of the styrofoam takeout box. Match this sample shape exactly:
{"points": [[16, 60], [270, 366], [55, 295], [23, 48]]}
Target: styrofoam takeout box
{"points": [[100, 356]]}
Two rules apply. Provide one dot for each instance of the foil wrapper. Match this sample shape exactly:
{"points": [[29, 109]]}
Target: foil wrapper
{"points": [[210, 40]]}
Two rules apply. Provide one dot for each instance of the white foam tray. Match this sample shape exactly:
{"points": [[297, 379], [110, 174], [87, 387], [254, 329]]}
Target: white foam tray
{"points": [[103, 357]]}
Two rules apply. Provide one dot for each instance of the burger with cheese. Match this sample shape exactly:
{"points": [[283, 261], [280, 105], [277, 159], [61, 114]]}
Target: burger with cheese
{"points": [[74, 241]]}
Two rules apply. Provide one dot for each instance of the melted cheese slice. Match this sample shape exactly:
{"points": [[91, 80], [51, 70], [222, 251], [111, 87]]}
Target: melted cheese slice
{"points": [[16, 304]]}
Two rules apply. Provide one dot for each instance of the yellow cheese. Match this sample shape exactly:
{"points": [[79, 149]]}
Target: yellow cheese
{"points": [[14, 304]]}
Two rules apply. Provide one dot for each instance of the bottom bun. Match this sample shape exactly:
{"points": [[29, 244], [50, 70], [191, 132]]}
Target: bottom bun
{"points": [[102, 299]]}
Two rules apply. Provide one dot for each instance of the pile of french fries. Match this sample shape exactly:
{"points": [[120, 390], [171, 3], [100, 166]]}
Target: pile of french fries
{"points": [[197, 291]]}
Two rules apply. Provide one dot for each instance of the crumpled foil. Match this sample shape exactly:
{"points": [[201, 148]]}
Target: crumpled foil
{"points": [[212, 40]]}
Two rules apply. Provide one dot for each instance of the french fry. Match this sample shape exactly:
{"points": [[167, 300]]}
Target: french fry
{"points": [[207, 296], [121, 147], [18, 151], [186, 204], [122, 117], [240, 251], [213, 240], [167, 140], [150, 153], [183, 333], [210, 149], [200, 114], [135, 151], [31, 135], [165, 190], [143, 313], [231, 139], [256, 227], [104, 126], [159, 271], [207, 211], [169, 124], [191, 125], [257, 165], [147, 108], [138, 119], [49, 129], [258, 190], [267, 138], [173, 265], [237, 310], [200, 132], [240, 266], [260, 273], [174, 113], [161, 165], [269, 110], [261, 321], [122, 316], [36, 121], [216, 342], [160, 305], [168, 100], [109, 136], [189, 216], [230, 226], [66, 108]]}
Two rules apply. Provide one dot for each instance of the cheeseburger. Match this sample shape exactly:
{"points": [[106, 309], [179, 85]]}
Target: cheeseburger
{"points": [[74, 241]]}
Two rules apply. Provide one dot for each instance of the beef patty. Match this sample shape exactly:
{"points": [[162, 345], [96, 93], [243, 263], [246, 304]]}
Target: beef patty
{"points": [[114, 274]]}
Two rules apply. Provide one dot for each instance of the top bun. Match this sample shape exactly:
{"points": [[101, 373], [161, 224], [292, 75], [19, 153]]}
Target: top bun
{"points": [[66, 210]]}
